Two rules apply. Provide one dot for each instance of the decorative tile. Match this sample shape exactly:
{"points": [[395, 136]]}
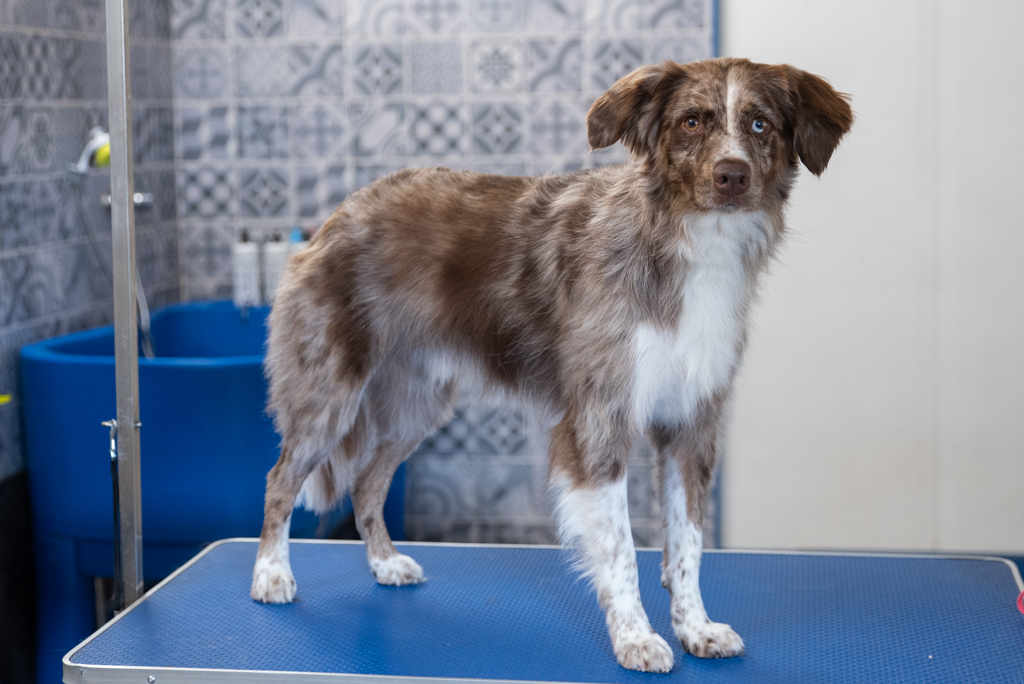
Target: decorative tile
{"points": [[506, 491], [501, 168], [436, 129], [317, 130], [436, 68], [317, 70], [497, 128], [377, 129], [366, 173], [10, 66], [497, 15], [262, 71], [148, 19], [152, 134], [204, 133], [201, 72], [497, 66], [204, 193], [500, 431], [16, 217], [48, 67], [675, 14], [309, 18], [262, 132], [641, 492], [27, 140], [80, 277], [88, 71], [264, 192], [680, 50], [259, 18], [91, 15], [609, 156], [433, 16], [378, 69], [373, 17], [166, 200], [613, 59], [452, 439], [558, 127], [318, 191], [441, 488], [197, 18], [554, 65], [548, 166], [206, 250], [151, 72], [614, 15], [554, 15], [30, 286]]}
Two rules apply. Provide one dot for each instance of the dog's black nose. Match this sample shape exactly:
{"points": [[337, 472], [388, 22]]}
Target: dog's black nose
{"points": [[731, 178]]}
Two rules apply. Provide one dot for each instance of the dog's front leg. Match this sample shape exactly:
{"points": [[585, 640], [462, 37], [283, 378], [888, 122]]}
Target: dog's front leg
{"points": [[686, 458], [593, 517]]}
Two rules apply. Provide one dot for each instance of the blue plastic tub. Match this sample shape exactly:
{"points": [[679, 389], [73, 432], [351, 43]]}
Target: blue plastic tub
{"points": [[206, 442]]}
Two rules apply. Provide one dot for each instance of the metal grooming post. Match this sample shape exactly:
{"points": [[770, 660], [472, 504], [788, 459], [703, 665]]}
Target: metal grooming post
{"points": [[126, 351]]}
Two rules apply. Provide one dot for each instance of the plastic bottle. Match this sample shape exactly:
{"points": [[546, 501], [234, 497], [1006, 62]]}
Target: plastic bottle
{"points": [[297, 240], [245, 263], [275, 258]]}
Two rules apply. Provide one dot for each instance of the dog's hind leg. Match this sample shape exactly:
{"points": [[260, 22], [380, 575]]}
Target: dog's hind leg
{"points": [[406, 409], [316, 458], [593, 516], [368, 495], [272, 580]]}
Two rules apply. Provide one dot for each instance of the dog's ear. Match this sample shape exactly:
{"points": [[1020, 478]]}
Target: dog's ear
{"points": [[822, 117], [631, 109]]}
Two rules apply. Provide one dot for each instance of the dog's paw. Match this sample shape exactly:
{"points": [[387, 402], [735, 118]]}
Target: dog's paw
{"points": [[396, 570], [644, 652], [709, 640], [272, 582]]}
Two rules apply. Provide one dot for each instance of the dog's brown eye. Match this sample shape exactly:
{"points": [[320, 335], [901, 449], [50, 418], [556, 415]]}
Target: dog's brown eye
{"points": [[692, 124]]}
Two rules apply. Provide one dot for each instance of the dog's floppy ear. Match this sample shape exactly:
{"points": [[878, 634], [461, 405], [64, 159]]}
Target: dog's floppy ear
{"points": [[822, 118], [631, 109]]}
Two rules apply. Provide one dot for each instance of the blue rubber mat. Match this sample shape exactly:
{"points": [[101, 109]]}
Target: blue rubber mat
{"points": [[503, 613]]}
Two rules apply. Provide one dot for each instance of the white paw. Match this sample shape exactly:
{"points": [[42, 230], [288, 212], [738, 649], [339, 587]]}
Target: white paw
{"points": [[709, 639], [272, 582], [644, 652], [396, 570]]}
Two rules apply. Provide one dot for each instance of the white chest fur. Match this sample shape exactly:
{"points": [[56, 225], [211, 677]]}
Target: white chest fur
{"points": [[677, 368]]}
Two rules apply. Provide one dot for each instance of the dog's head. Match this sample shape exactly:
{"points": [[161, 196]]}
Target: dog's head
{"points": [[724, 133]]}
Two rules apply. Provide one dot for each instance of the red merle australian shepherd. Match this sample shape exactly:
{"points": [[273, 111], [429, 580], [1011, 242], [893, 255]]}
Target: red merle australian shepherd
{"points": [[615, 299]]}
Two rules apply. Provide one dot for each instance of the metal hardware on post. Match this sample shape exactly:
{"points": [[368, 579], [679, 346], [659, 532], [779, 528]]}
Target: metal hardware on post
{"points": [[126, 351], [118, 574]]}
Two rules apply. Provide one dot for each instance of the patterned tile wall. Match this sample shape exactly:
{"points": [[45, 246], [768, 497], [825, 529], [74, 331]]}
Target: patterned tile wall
{"points": [[284, 107], [52, 91]]}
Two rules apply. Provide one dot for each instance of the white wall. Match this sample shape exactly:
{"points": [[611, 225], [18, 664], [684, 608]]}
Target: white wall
{"points": [[881, 404]]}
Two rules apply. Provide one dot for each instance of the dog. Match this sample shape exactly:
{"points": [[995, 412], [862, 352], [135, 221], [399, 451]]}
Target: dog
{"points": [[615, 299]]}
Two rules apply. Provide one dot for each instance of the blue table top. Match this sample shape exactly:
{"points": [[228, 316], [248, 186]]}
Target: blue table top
{"points": [[520, 613]]}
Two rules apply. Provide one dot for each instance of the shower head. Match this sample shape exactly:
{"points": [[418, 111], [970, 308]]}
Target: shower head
{"points": [[96, 150]]}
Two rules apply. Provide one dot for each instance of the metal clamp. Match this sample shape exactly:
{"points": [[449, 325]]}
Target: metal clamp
{"points": [[141, 199], [119, 597]]}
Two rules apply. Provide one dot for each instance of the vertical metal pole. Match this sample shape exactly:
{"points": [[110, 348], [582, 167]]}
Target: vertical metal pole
{"points": [[126, 351]]}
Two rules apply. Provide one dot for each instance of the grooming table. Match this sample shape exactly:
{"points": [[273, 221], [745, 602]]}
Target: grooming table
{"points": [[505, 613]]}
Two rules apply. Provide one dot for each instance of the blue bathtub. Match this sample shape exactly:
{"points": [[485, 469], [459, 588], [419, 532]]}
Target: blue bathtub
{"points": [[206, 444]]}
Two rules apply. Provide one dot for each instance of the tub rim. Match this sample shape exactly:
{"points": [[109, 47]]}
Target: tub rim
{"points": [[46, 351]]}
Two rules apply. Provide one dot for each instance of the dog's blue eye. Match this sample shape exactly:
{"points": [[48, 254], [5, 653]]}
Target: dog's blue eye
{"points": [[758, 126]]}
